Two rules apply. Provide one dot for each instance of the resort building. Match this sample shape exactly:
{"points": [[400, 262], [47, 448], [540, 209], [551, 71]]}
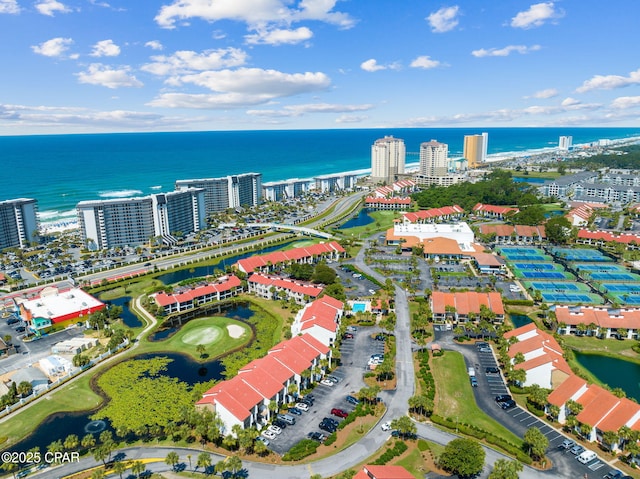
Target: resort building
{"points": [[445, 180], [493, 211], [387, 159], [282, 190], [600, 322], [275, 287], [18, 223], [335, 182], [580, 215], [134, 221], [475, 149], [433, 159], [488, 263], [543, 361], [446, 213], [565, 143], [401, 188], [460, 232], [563, 187], [600, 238], [393, 204], [510, 234], [55, 306], [184, 299], [321, 319], [465, 306], [232, 191], [279, 376], [308, 254]]}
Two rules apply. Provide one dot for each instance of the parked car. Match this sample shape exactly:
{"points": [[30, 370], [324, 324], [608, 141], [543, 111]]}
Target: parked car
{"points": [[327, 426], [20, 329], [576, 450], [12, 320], [474, 381], [306, 400], [352, 400], [327, 382], [508, 404], [567, 444], [586, 456], [386, 426], [302, 406], [339, 412], [280, 423], [335, 379], [263, 440], [502, 398], [407, 435], [348, 336], [274, 429], [268, 434], [613, 474], [380, 337], [492, 371], [316, 436]]}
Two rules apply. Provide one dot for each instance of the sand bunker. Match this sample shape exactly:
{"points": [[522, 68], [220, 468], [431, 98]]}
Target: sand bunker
{"points": [[203, 335], [235, 331]]}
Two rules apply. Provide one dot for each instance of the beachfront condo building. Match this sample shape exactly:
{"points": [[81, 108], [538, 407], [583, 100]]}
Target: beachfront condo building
{"points": [[18, 222], [135, 221], [232, 191], [475, 149], [336, 182], [565, 143], [388, 156], [433, 158], [281, 190]]}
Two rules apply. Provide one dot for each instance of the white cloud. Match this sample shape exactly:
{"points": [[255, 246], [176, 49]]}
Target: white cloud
{"points": [[536, 16], [425, 62], [299, 110], [104, 75], [9, 6], [49, 7], [154, 45], [372, 65], [186, 61], [610, 82], [351, 119], [506, 51], [105, 48], [54, 47], [444, 19], [543, 94], [206, 101], [279, 36], [625, 102], [252, 12]]}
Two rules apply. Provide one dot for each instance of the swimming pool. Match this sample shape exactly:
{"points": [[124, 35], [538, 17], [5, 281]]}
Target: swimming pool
{"points": [[359, 307]]}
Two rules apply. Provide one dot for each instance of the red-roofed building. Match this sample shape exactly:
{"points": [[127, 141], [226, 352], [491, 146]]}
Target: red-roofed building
{"points": [[543, 361], [457, 307], [571, 389], [271, 287], [188, 298], [600, 238], [445, 213], [244, 399], [493, 211], [395, 203], [321, 319], [580, 215], [601, 322], [519, 234], [488, 263], [307, 254], [383, 472]]}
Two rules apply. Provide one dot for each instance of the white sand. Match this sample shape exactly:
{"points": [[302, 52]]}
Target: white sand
{"points": [[235, 331]]}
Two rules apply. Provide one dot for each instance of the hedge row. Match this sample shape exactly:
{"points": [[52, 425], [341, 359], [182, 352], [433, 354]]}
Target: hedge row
{"points": [[428, 381], [304, 448], [517, 302], [330, 439], [473, 431], [390, 453], [353, 269], [361, 410]]}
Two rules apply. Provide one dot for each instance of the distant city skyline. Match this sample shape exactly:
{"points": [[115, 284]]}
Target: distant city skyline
{"points": [[84, 66]]}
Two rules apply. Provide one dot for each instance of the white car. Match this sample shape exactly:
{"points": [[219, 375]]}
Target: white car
{"points": [[274, 429], [386, 426], [327, 382], [268, 434], [587, 456], [302, 406], [263, 440]]}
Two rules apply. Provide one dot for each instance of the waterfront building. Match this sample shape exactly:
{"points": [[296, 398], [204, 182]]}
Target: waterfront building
{"points": [[335, 182], [189, 297], [307, 254], [232, 191], [393, 204], [446, 213], [134, 221], [563, 187], [444, 181], [388, 156], [18, 222], [433, 159], [475, 149], [565, 143], [281, 190]]}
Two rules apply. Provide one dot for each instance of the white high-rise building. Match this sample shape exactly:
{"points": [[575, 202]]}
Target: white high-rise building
{"points": [[388, 156], [18, 222], [433, 158], [565, 143], [134, 221], [475, 149]]}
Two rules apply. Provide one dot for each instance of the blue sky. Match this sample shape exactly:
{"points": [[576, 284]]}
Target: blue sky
{"points": [[73, 66]]}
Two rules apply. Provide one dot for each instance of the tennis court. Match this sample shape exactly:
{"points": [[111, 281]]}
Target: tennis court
{"points": [[523, 254], [621, 287], [627, 298], [555, 286], [571, 254], [537, 266], [599, 267], [544, 275], [621, 276], [585, 298]]}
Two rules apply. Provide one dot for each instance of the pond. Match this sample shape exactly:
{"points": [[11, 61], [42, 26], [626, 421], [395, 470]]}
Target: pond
{"points": [[362, 219], [616, 373], [198, 271], [128, 318], [520, 320], [526, 179]]}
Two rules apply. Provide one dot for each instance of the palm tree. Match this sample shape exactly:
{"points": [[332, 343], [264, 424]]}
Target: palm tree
{"points": [[231, 464], [204, 460], [119, 467], [138, 467], [172, 459], [88, 441], [71, 442], [10, 467]]}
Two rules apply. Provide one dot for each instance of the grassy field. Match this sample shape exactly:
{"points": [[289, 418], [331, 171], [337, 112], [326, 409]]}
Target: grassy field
{"points": [[454, 397], [609, 347]]}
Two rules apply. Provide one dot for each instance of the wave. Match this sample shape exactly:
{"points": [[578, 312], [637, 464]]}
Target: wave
{"points": [[156, 187], [119, 193], [52, 215]]}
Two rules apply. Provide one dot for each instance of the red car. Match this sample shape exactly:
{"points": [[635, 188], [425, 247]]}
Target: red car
{"points": [[339, 412], [348, 336]]}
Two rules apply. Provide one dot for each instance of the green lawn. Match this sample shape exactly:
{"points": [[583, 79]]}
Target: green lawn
{"points": [[413, 463], [382, 221], [612, 347], [454, 397]]}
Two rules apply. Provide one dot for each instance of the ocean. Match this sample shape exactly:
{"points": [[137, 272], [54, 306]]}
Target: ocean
{"points": [[61, 170]]}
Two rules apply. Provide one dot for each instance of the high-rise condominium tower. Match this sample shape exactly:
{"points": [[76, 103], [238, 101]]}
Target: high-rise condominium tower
{"points": [[475, 149], [387, 159], [433, 158]]}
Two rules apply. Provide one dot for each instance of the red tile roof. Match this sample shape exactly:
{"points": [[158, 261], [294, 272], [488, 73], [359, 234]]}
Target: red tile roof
{"points": [[625, 414], [164, 299], [521, 330], [387, 201], [466, 302], [607, 236], [598, 408], [569, 388], [625, 318], [433, 213], [323, 313], [254, 262], [287, 284], [497, 210]]}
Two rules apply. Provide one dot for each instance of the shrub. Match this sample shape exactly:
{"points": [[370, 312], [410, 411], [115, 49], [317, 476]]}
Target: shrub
{"points": [[304, 448], [330, 439], [390, 453]]}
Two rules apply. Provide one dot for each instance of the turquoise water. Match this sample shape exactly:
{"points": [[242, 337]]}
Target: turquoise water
{"points": [[359, 307], [520, 320], [61, 170]]}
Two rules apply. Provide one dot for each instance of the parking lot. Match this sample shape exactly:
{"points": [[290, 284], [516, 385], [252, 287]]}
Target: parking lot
{"points": [[355, 354]]}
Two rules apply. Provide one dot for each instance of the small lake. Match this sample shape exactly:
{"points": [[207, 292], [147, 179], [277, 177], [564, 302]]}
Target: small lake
{"points": [[198, 271], [526, 179], [128, 318], [363, 219], [616, 373], [520, 320]]}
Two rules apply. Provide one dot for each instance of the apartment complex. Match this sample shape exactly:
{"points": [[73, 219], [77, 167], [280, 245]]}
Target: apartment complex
{"points": [[433, 158], [133, 221], [280, 190], [388, 156], [475, 149], [231, 191], [18, 222], [565, 143]]}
